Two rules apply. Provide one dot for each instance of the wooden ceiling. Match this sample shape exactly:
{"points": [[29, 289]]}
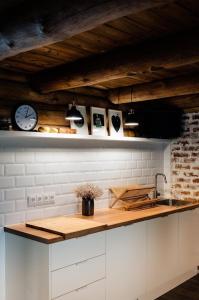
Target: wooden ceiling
{"points": [[146, 27]]}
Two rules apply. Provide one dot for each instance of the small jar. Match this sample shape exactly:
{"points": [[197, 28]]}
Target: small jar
{"points": [[87, 206]]}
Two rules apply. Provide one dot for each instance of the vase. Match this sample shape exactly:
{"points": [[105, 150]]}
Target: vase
{"points": [[87, 206]]}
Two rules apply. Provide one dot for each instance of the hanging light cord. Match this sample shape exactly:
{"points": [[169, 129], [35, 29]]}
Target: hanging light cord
{"points": [[131, 110], [118, 97]]}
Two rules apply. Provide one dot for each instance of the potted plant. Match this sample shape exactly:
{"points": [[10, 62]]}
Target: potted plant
{"points": [[88, 192]]}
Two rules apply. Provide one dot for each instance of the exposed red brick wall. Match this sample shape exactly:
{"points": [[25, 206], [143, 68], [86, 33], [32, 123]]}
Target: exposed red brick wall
{"points": [[185, 160]]}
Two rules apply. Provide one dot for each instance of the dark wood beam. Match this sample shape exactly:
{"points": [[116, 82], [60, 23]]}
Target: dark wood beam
{"points": [[91, 91], [178, 86], [165, 53], [192, 110], [21, 92], [38, 23], [170, 103], [12, 76]]}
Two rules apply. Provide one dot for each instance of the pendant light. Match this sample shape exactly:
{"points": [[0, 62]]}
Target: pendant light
{"points": [[73, 114], [131, 119]]}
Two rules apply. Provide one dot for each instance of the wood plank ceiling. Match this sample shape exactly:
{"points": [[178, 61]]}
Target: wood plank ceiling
{"points": [[146, 26]]}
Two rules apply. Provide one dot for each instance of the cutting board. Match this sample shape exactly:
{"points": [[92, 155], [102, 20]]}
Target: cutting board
{"points": [[68, 227], [131, 196], [131, 191]]}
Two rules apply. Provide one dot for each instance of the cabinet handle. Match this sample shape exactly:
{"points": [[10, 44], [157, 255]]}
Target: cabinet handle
{"points": [[81, 288], [81, 262]]}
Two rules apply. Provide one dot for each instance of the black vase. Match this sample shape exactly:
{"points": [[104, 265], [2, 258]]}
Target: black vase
{"points": [[87, 206]]}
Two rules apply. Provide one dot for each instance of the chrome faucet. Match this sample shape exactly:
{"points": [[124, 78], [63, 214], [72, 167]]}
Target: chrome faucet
{"points": [[156, 193]]}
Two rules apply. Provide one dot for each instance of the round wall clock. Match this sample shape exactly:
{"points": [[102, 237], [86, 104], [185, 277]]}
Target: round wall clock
{"points": [[25, 117]]}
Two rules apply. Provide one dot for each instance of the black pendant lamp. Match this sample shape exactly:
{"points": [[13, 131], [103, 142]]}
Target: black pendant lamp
{"points": [[131, 119], [73, 114]]}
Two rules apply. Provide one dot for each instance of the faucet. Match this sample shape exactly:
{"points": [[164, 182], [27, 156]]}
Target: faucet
{"points": [[156, 193]]}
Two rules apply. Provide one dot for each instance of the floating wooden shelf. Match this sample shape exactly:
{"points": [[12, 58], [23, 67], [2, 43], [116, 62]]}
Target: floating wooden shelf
{"points": [[37, 139]]}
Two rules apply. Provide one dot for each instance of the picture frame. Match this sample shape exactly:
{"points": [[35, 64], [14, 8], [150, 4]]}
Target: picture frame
{"points": [[98, 121], [115, 123], [82, 125]]}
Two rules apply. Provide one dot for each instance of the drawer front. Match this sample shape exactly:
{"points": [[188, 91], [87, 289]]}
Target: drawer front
{"points": [[92, 291], [78, 275], [76, 250]]}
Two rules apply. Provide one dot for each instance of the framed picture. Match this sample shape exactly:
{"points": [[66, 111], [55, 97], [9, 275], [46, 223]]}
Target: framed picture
{"points": [[98, 121], [82, 125], [115, 122]]}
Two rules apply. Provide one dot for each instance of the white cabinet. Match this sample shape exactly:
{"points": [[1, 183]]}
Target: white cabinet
{"points": [[92, 291], [77, 275], [76, 250], [72, 270], [188, 240], [162, 251], [126, 262], [138, 261]]}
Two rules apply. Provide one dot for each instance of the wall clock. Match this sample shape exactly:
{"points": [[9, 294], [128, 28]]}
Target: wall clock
{"points": [[25, 117]]}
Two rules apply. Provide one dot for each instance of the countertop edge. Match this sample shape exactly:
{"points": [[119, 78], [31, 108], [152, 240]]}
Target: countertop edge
{"points": [[23, 232], [155, 216], [34, 237]]}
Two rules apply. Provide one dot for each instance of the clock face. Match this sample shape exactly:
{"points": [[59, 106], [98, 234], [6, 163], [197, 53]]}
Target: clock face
{"points": [[25, 117]]}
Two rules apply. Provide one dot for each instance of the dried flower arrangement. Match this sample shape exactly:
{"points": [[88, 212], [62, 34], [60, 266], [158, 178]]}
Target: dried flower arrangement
{"points": [[88, 190]]}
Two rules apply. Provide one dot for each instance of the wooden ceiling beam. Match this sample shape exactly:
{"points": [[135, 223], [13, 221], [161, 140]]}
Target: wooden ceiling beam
{"points": [[147, 58], [39, 23], [21, 92], [12, 76], [178, 86], [171, 103]]}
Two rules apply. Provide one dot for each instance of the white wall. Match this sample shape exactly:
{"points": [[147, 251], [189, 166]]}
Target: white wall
{"points": [[2, 265], [29, 171]]}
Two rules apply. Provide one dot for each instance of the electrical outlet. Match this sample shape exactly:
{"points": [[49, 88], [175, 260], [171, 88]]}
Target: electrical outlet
{"points": [[36, 200], [39, 200], [32, 200], [52, 198], [48, 198], [45, 199]]}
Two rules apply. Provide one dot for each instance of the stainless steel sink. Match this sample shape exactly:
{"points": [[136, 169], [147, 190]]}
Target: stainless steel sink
{"points": [[173, 202], [166, 202]]}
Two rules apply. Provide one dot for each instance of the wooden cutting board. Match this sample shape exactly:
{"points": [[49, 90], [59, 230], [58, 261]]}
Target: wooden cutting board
{"points": [[68, 227], [130, 191]]}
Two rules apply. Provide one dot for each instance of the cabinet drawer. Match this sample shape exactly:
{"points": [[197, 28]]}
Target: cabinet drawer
{"points": [[94, 290], [76, 250], [78, 275]]}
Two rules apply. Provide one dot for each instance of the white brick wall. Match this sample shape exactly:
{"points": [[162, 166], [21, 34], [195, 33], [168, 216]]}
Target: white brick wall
{"points": [[33, 171], [30, 171]]}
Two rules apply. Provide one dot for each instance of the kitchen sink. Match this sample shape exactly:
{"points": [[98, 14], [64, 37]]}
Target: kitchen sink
{"points": [[166, 202], [173, 202]]}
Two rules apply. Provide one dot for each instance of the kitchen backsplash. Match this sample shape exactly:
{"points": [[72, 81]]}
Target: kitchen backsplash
{"points": [[25, 172], [185, 160]]}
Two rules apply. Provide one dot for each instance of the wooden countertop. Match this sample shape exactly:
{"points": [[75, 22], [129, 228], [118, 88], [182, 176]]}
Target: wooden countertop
{"points": [[68, 227], [56, 229], [114, 218], [33, 234]]}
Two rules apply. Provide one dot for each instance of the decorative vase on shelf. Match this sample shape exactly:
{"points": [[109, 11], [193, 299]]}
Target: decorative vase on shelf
{"points": [[87, 206], [88, 193]]}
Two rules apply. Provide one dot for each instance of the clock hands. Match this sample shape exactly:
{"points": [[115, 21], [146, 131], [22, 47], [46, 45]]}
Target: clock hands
{"points": [[29, 116], [26, 116]]}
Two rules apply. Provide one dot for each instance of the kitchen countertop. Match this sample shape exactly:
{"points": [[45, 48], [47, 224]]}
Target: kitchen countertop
{"points": [[33, 234], [56, 229]]}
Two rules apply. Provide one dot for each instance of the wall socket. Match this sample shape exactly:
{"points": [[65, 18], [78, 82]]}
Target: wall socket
{"points": [[44, 199]]}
